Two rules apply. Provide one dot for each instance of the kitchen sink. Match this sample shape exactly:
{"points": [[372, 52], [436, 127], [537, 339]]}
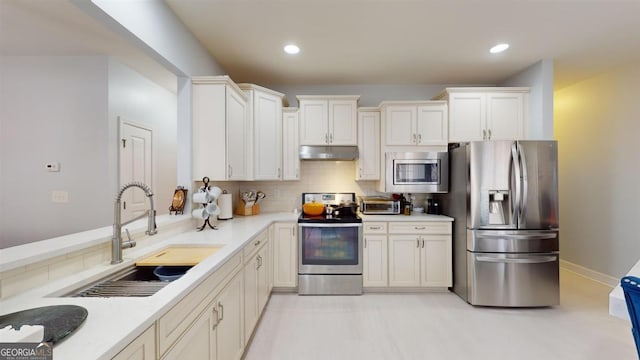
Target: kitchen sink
{"points": [[134, 281]]}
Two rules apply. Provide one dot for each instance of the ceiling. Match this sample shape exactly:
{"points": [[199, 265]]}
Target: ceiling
{"points": [[356, 41]]}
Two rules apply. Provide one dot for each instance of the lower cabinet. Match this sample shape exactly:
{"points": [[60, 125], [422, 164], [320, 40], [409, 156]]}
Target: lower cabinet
{"points": [[420, 255], [256, 286], [374, 255], [229, 331], [142, 348], [199, 341], [217, 332], [285, 255]]}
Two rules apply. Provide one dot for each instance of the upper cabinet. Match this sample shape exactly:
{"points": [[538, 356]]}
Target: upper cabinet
{"points": [[414, 123], [368, 163], [265, 115], [498, 113], [220, 129], [328, 120], [290, 144]]}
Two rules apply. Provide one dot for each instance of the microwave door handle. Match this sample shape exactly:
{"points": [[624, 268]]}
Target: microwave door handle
{"points": [[524, 184], [516, 170]]}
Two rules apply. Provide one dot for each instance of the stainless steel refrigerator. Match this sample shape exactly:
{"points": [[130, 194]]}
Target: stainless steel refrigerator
{"points": [[504, 198]]}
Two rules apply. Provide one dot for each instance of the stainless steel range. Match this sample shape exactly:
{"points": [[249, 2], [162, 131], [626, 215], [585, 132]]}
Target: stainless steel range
{"points": [[330, 247]]}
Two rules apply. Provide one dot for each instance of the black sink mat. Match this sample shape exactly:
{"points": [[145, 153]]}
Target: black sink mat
{"points": [[58, 320]]}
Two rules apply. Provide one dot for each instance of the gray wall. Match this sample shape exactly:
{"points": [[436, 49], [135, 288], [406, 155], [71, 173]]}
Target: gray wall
{"points": [[539, 77], [597, 128], [65, 109]]}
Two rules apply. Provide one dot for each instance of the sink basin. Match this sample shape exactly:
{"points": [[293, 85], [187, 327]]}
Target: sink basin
{"points": [[134, 281]]}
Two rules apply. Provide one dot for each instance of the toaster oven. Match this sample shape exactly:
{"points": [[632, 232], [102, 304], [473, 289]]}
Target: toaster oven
{"points": [[379, 206]]}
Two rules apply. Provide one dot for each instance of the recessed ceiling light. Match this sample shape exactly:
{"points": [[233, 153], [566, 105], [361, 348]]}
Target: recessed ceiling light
{"points": [[291, 49], [499, 48]]}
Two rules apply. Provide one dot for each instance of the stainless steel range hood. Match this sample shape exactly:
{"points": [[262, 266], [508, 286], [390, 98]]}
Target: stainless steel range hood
{"points": [[328, 152]]}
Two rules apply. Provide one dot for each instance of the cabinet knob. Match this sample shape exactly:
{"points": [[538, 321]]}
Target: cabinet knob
{"points": [[484, 134], [489, 134], [419, 138], [330, 138]]}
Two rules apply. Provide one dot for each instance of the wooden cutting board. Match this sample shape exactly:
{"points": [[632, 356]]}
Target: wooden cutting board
{"points": [[179, 256]]}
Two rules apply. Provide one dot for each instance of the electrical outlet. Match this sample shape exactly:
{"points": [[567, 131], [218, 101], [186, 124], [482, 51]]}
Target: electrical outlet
{"points": [[60, 196]]}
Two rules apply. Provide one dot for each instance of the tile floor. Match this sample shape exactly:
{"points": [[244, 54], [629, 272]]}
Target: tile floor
{"points": [[441, 326]]}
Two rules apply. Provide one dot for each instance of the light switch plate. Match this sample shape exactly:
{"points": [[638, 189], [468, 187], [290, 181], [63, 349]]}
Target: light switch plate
{"points": [[53, 166]]}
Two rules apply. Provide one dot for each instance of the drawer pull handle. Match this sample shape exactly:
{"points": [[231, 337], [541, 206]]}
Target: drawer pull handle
{"points": [[374, 227], [256, 243], [221, 311], [420, 227]]}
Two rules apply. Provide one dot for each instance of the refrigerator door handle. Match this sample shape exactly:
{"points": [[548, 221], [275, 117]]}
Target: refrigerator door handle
{"points": [[516, 169], [524, 184], [533, 260], [519, 237]]}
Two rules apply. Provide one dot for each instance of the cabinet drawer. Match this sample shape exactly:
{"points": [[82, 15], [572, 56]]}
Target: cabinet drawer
{"points": [[173, 324], [374, 228], [420, 227], [255, 244]]}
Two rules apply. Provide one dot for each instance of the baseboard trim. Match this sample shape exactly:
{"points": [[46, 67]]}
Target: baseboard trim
{"points": [[590, 274]]}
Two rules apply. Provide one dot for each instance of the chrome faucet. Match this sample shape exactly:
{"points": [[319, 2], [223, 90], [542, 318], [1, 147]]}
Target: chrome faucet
{"points": [[116, 241]]}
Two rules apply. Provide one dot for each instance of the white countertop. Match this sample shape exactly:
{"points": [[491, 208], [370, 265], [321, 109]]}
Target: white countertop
{"points": [[112, 323], [617, 303], [412, 217]]}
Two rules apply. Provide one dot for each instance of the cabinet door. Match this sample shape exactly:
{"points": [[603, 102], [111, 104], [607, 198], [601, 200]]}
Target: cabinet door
{"points": [[400, 125], [368, 164], [467, 116], [285, 256], [290, 147], [436, 261], [432, 125], [343, 123], [263, 278], [198, 342], [142, 348], [374, 261], [251, 313], [237, 132], [404, 260], [230, 336], [314, 125], [209, 131], [267, 124], [505, 116]]}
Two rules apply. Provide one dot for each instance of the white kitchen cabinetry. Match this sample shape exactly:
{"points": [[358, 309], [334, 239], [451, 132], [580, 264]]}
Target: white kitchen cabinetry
{"points": [[229, 331], [374, 256], [285, 255], [256, 281], [290, 144], [142, 348], [199, 341], [220, 129], [328, 120], [265, 114], [368, 163], [414, 123], [204, 299], [499, 113], [420, 254]]}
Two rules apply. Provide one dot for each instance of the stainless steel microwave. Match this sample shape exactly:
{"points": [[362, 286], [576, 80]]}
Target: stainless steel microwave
{"points": [[418, 172]]}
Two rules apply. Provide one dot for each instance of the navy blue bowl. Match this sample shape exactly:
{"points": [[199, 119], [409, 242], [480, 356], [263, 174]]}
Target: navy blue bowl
{"points": [[170, 273]]}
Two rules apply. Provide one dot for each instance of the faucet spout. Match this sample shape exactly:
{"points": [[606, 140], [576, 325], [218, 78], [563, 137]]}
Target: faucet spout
{"points": [[116, 241]]}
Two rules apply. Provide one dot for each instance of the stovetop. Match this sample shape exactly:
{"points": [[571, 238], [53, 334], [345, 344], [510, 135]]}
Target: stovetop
{"points": [[333, 199], [329, 219]]}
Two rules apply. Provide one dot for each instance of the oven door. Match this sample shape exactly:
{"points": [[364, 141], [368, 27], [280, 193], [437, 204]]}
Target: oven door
{"points": [[330, 248]]}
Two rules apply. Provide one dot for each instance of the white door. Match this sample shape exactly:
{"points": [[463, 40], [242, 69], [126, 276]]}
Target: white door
{"points": [[268, 137], [505, 116], [467, 116], [285, 256], [404, 260], [368, 163], [374, 261], [436, 260], [314, 125], [343, 122], [290, 139], [237, 129], [431, 125], [135, 165]]}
